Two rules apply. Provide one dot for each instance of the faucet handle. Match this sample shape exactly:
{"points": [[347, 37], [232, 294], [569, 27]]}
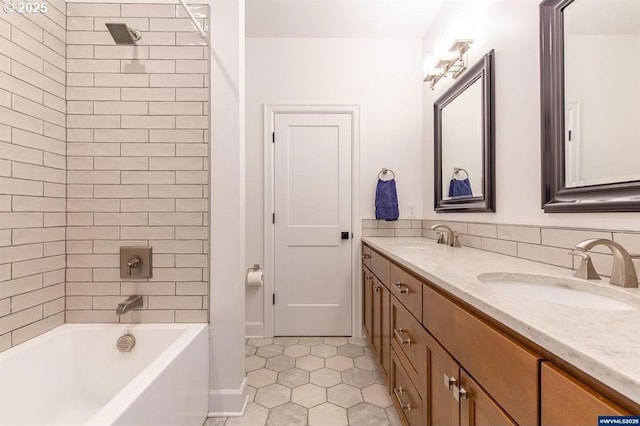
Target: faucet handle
{"points": [[586, 269], [133, 263], [456, 241], [440, 238]]}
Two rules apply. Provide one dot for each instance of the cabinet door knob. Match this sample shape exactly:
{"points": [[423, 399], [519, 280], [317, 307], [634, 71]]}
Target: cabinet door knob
{"points": [[449, 381], [378, 289], [366, 256], [398, 393], [460, 393]]}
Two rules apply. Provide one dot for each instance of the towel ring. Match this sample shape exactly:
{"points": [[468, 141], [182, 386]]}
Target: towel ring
{"points": [[385, 171], [456, 170]]}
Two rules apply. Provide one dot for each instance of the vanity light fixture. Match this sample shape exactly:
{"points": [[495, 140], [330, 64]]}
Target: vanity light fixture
{"points": [[454, 63]]}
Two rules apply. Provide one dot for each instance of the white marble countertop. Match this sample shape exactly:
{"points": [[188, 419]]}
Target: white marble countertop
{"points": [[604, 344]]}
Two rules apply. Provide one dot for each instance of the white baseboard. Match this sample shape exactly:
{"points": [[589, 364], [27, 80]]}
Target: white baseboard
{"points": [[254, 329], [228, 402]]}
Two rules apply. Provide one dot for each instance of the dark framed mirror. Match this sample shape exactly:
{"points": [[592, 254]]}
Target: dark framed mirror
{"points": [[590, 115], [464, 139]]}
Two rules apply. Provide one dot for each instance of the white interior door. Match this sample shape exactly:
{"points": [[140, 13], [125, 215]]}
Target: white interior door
{"points": [[312, 199]]}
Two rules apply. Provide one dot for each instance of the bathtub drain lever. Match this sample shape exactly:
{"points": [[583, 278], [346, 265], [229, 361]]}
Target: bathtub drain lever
{"points": [[126, 342]]}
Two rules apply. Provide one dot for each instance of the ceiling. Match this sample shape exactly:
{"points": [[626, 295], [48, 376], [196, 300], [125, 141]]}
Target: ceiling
{"points": [[340, 18]]}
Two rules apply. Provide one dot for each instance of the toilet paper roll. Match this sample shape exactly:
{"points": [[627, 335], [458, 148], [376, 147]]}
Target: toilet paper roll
{"points": [[254, 278]]}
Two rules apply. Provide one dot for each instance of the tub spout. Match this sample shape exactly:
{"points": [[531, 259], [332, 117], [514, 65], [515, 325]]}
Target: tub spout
{"points": [[131, 303]]}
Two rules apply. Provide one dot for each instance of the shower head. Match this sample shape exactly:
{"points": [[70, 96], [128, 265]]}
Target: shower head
{"points": [[122, 34]]}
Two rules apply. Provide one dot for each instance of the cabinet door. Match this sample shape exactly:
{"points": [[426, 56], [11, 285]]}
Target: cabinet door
{"points": [[441, 377], [377, 316], [477, 408], [566, 401], [367, 291], [385, 331]]}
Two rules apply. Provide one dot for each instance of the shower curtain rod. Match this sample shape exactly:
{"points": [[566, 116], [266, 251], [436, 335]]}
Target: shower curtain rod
{"points": [[193, 19]]}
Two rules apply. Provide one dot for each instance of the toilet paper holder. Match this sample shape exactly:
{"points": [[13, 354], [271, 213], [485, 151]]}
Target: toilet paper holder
{"points": [[254, 276]]}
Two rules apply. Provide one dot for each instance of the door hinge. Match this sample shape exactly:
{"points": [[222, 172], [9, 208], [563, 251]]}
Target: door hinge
{"points": [[273, 137], [273, 218], [274, 298]]}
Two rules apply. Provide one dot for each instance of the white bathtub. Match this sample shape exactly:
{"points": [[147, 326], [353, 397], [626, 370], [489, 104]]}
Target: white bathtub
{"points": [[74, 375]]}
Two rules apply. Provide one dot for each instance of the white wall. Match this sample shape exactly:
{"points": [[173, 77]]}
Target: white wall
{"points": [[383, 76], [511, 28]]}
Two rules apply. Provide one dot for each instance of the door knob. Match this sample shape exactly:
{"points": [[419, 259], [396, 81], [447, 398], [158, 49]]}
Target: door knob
{"points": [[344, 235]]}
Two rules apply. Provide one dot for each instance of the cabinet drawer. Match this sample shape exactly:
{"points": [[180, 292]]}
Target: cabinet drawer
{"points": [[409, 339], [506, 370], [565, 400], [404, 395], [407, 289], [380, 267], [366, 256]]}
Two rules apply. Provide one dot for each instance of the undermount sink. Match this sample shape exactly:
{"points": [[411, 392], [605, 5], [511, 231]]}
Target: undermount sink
{"points": [[559, 291]]}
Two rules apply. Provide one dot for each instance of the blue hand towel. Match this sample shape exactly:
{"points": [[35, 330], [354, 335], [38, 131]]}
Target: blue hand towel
{"points": [[460, 188], [387, 200]]}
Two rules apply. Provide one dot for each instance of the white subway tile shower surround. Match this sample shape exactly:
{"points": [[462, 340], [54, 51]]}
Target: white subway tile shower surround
{"points": [[137, 170], [32, 173], [543, 244]]}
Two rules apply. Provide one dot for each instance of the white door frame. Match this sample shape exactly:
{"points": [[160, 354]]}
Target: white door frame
{"points": [[269, 256]]}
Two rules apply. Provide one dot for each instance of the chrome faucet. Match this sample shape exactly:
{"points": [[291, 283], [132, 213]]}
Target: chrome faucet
{"points": [[623, 272], [131, 303], [452, 237]]}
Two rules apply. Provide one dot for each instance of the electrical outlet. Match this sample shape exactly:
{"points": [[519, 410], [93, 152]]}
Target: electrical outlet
{"points": [[411, 210]]}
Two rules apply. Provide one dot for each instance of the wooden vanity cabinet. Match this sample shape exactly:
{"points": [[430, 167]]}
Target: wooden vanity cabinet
{"points": [[449, 365], [568, 401]]}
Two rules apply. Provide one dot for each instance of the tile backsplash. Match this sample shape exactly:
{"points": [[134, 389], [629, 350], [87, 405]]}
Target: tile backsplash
{"points": [[32, 173], [137, 148], [544, 244]]}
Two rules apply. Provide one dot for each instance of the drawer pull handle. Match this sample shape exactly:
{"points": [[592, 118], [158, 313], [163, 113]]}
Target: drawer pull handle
{"points": [[398, 392], [401, 288], [459, 393], [449, 381], [377, 289], [366, 256], [369, 278], [398, 333]]}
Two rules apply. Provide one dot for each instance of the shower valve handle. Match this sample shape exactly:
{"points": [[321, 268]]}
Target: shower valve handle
{"points": [[133, 263]]}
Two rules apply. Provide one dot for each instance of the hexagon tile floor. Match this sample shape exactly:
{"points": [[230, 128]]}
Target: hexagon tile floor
{"points": [[323, 381]]}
